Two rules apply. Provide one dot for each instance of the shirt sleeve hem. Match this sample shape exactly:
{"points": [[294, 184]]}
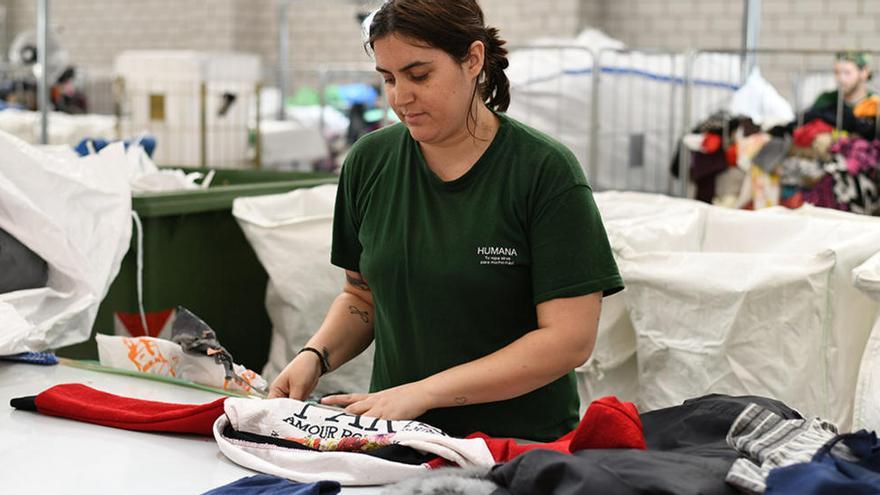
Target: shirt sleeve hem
{"points": [[607, 285], [344, 264]]}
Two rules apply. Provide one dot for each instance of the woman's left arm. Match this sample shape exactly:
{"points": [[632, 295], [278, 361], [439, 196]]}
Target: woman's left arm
{"points": [[563, 341]]}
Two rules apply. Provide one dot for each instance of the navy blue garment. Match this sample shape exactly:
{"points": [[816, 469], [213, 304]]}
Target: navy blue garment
{"points": [[829, 474], [264, 484]]}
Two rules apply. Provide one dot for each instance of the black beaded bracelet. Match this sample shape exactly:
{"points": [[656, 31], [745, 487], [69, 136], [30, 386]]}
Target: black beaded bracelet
{"points": [[322, 357]]}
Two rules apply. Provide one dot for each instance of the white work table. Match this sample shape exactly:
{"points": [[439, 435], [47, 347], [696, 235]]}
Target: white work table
{"points": [[46, 454]]}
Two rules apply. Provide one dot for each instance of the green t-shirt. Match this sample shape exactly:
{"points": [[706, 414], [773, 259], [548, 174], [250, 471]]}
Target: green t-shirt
{"points": [[828, 99], [456, 268]]}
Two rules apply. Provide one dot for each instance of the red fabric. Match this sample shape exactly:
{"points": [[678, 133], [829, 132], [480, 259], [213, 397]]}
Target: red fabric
{"points": [[731, 154], [804, 135], [793, 202], [82, 403], [155, 322], [607, 424], [711, 143]]}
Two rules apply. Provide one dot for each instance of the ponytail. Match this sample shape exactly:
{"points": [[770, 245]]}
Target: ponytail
{"points": [[495, 89]]}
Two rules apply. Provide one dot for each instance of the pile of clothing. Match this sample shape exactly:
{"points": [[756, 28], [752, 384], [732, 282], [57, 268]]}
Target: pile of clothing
{"points": [[734, 163], [714, 444]]}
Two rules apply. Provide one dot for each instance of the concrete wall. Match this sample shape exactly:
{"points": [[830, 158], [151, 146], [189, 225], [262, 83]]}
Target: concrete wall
{"points": [[326, 31], [321, 31]]}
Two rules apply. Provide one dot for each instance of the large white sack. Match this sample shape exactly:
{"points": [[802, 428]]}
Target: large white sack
{"points": [[852, 239], [613, 366], [711, 291], [76, 215], [866, 410], [291, 234], [729, 323]]}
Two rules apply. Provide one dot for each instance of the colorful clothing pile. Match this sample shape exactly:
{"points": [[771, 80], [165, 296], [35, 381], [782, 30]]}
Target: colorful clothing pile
{"points": [[813, 163], [307, 442]]}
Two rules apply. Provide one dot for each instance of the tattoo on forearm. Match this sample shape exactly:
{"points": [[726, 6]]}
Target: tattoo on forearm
{"points": [[326, 358], [461, 400], [365, 316], [358, 282]]}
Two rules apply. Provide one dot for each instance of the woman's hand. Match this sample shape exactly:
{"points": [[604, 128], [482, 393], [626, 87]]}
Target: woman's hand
{"points": [[399, 403], [298, 379]]}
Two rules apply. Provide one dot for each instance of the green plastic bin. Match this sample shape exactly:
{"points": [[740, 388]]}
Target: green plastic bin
{"points": [[196, 256]]}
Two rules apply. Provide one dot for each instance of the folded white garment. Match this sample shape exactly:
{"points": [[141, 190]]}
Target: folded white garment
{"points": [[335, 444]]}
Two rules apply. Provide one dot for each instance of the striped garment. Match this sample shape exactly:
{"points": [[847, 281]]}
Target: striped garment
{"points": [[768, 441]]}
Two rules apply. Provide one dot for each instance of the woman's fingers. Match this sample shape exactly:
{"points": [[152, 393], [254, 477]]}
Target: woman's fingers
{"points": [[358, 408], [342, 400], [279, 389]]}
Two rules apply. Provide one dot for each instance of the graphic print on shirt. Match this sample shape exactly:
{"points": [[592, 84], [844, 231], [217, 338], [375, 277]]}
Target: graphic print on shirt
{"points": [[148, 358], [323, 428], [497, 255]]}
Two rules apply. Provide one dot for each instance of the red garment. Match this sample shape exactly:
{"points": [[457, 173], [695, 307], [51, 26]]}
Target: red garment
{"points": [[607, 424], [794, 202], [711, 143], [731, 154], [81, 403], [804, 135]]}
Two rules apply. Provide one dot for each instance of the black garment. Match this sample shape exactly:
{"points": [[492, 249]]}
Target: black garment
{"points": [[687, 454], [726, 125], [705, 168], [196, 337], [20, 268]]}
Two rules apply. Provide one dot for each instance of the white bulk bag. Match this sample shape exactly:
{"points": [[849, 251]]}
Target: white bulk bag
{"points": [[741, 302], [866, 410], [76, 215], [291, 234], [613, 366]]}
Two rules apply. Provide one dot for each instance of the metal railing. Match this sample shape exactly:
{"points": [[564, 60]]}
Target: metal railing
{"points": [[617, 109]]}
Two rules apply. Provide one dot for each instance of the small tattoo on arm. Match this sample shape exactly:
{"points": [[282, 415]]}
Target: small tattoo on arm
{"points": [[358, 282], [365, 316], [461, 400]]}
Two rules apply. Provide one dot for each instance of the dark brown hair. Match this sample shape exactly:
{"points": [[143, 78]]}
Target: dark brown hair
{"points": [[451, 26]]}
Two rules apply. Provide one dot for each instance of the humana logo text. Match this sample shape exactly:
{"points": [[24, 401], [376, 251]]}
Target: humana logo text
{"points": [[495, 251]]}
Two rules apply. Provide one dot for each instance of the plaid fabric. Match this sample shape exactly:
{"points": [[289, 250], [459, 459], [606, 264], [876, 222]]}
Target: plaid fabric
{"points": [[767, 441]]}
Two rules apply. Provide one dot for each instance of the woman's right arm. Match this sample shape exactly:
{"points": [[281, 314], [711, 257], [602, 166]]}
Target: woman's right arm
{"points": [[346, 332]]}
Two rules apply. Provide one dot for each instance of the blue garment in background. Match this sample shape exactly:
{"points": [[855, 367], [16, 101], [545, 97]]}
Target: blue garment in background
{"points": [[355, 93], [43, 358], [264, 484], [830, 474], [148, 143]]}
